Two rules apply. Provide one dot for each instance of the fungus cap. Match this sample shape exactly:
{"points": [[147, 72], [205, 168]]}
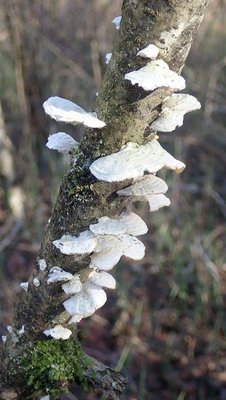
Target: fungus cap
{"points": [[21, 330], [105, 259], [57, 274], [173, 110], [101, 278], [36, 282], [129, 223], [42, 264], [108, 58], [132, 161], [149, 188], [87, 301], [82, 244], [154, 75], [108, 226], [75, 319], [132, 247], [66, 111], [134, 224], [73, 286], [145, 185], [151, 51], [24, 286], [112, 248], [157, 201], [106, 242], [58, 332], [117, 21], [61, 142]]}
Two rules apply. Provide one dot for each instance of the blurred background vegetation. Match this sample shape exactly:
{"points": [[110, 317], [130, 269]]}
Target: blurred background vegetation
{"points": [[164, 327]]}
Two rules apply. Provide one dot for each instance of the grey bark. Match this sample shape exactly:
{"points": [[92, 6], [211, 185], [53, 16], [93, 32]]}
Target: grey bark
{"points": [[127, 111]]}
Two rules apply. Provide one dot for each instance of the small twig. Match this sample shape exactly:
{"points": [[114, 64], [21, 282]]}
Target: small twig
{"points": [[74, 67], [219, 201], [95, 62], [11, 235], [6, 394], [214, 75], [101, 377], [212, 268]]}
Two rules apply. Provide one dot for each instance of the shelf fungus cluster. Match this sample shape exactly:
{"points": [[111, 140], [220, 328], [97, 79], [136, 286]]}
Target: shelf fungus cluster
{"points": [[107, 240], [66, 111]]}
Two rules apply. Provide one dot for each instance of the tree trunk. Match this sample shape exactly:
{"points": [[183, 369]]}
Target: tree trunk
{"points": [[128, 112]]}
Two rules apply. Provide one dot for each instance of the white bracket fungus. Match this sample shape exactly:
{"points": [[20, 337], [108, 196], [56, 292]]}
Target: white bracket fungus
{"points": [[108, 58], [151, 51], [57, 274], [135, 226], [101, 278], [91, 296], [111, 238], [75, 319], [73, 283], [111, 248], [117, 21], [150, 188], [4, 338], [36, 282], [87, 301], [108, 226], [66, 111], [131, 247], [73, 286], [58, 332], [24, 286], [106, 259], [133, 160], [154, 75], [82, 244], [9, 328], [173, 110], [129, 223], [61, 142], [21, 331], [157, 201], [42, 264], [145, 185]]}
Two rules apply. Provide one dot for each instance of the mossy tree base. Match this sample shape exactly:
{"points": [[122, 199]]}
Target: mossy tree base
{"points": [[51, 366]]}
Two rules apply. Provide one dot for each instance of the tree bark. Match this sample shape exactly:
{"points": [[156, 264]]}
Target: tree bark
{"points": [[128, 111]]}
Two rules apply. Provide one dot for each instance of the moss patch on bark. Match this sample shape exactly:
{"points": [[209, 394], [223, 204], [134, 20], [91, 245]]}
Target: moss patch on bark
{"points": [[52, 365]]}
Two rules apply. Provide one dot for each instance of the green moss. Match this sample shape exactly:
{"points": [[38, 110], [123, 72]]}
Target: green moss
{"points": [[53, 364]]}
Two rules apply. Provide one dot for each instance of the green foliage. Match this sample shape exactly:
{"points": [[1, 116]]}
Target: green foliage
{"points": [[52, 364]]}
